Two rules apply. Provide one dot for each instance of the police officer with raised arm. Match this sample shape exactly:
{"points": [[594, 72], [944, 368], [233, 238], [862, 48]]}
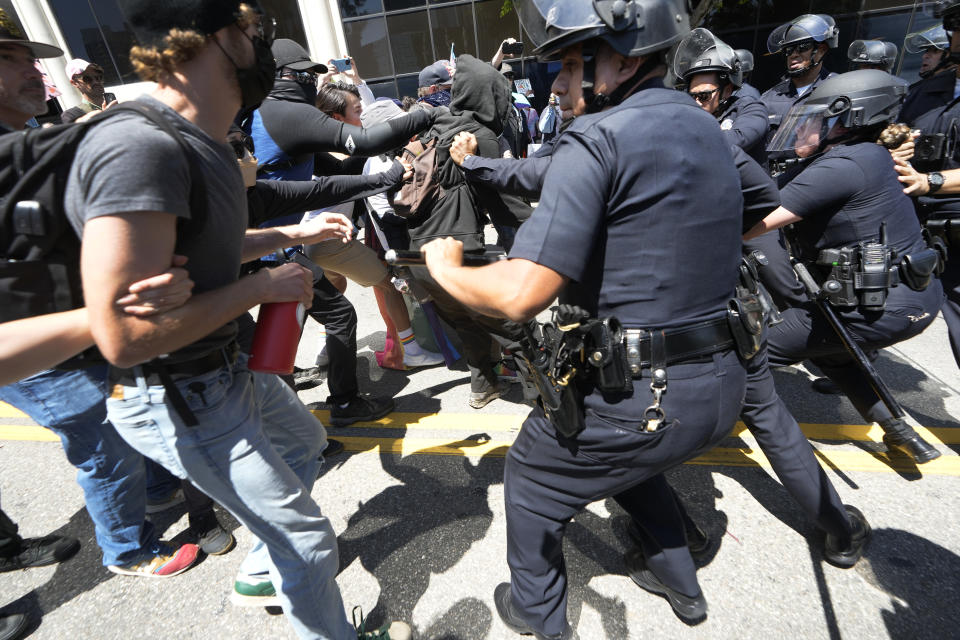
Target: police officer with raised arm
{"points": [[712, 73], [860, 239], [936, 183], [621, 205]]}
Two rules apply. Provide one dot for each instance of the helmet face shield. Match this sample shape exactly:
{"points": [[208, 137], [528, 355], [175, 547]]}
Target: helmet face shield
{"points": [[702, 52], [920, 41], [544, 20], [873, 52], [802, 131], [815, 27]]}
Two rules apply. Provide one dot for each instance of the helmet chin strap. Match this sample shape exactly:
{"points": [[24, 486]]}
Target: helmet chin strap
{"points": [[799, 72], [724, 104], [596, 102]]}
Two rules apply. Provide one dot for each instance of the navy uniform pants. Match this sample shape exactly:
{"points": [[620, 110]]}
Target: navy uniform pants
{"points": [[950, 279], [805, 334], [548, 480], [789, 452]]}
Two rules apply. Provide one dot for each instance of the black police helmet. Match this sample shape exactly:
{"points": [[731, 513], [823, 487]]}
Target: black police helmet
{"points": [[873, 52], [631, 27], [861, 98], [702, 52], [809, 27], [745, 57]]}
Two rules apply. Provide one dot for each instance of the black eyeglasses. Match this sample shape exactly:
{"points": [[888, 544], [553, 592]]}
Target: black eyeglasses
{"points": [[267, 29], [703, 96], [303, 77], [241, 143], [803, 47]]}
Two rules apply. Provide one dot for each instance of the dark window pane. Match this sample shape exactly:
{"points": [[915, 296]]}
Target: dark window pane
{"points": [[410, 41], [453, 25], [354, 8], [287, 15], [834, 7], [367, 43], [407, 86], [775, 12], [492, 29], [9, 18], [106, 42], [893, 27], [397, 5], [724, 16], [869, 5], [385, 89]]}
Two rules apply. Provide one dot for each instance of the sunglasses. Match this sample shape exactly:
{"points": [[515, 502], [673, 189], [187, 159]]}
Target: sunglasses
{"points": [[239, 144], [703, 96], [302, 77], [803, 47]]}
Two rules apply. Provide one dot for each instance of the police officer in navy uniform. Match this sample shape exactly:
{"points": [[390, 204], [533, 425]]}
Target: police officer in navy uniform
{"points": [[936, 188], [872, 54], [938, 79], [712, 74], [804, 43], [847, 197], [627, 227]]}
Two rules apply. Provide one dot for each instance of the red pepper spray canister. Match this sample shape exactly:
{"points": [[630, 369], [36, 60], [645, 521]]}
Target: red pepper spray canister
{"points": [[276, 337]]}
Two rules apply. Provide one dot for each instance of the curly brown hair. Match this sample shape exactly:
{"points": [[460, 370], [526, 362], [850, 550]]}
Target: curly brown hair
{"points": [[179, 46], [894, 135]]}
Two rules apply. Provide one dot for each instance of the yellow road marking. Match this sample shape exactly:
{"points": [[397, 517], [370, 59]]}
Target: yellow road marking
{"points": [[510, 423], [947, 465]]}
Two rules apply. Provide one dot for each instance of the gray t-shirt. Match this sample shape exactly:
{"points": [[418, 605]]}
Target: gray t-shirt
{"points": [[127, 164]]}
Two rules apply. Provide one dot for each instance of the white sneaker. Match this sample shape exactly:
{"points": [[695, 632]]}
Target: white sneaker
{"points": [[422, 359]]}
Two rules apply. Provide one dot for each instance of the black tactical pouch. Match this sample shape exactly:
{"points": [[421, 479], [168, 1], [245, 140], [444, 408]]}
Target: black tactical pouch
{"points": [[930, 152], [745, 317], [607, 354], [918, 269]]}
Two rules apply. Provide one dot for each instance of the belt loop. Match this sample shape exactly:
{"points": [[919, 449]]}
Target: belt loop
{"points": [[143, 389]]}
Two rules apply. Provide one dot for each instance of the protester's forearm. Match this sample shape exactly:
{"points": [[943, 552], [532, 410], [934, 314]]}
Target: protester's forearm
{"points": [[35, 344]]}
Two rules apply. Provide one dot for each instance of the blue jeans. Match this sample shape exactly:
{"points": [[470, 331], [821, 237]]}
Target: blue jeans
{"points": [[256, 453], [110, 472]]}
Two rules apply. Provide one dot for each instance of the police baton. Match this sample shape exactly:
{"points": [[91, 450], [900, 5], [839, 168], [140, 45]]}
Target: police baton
{"points": [[399, 258], [817, 294]]}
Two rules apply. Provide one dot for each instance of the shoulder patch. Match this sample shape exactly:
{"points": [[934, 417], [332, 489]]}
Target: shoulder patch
{"points": [[351, 145], [727, 124]]}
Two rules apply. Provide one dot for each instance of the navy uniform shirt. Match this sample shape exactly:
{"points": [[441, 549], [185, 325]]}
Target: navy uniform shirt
{"points": [[745, 124], [783, 95], [844, 195], [747, 90], [632, 213], [926, 95], [942, 119]]}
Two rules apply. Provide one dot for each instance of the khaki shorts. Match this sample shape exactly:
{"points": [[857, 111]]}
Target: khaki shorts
{"points": [[353, 260]]}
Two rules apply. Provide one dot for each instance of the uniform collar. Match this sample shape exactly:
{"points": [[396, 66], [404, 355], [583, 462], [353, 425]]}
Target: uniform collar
{"points": [[787, 88]]}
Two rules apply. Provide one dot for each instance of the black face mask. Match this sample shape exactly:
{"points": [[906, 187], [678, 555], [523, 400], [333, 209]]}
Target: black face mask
{"points": [[309, 91], [256, 81]]}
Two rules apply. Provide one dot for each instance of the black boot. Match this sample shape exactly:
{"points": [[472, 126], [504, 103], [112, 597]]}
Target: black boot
{"points": [[511, 618], [899, 435]]}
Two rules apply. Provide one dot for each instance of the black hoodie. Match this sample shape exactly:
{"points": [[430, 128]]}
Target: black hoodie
{"points": [[480, 105]]}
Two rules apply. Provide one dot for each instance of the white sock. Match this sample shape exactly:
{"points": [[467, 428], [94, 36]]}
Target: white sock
{"points": [[409, 342]]}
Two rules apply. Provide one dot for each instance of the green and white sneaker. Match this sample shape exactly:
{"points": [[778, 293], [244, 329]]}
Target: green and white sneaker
{"points": [[254, 591]]}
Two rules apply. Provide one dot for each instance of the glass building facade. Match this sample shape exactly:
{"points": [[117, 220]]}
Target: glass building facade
{"points": [[391, 40]]}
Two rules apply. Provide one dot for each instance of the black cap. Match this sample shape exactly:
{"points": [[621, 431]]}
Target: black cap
{"points": [[291, 55], [152, 20], [38, 49]]}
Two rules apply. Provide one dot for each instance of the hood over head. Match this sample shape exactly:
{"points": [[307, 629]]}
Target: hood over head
{"points": [[481, 93]]}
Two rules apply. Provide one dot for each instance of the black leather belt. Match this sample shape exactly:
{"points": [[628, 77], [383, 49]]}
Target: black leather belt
{"points": [[679, 345], [161, 373]]}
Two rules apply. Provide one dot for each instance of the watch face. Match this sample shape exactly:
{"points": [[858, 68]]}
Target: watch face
{"points": [[935, 179]]}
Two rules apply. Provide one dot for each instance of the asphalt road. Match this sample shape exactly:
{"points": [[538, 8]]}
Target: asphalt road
{"points": [[418, 505]]}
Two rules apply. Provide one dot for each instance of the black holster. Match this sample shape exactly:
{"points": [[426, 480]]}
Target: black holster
{"points": [[918, 269]]}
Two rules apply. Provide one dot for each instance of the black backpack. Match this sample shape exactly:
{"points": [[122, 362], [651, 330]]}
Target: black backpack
{"points": [[39, 250]]}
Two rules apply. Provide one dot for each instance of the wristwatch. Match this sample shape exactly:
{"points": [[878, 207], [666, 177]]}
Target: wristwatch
{"points": [[935, 181]]}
